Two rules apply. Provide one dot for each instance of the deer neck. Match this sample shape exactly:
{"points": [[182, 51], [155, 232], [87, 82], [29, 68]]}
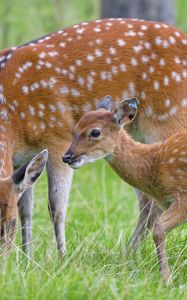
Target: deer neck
{"points": [[134, 162]]}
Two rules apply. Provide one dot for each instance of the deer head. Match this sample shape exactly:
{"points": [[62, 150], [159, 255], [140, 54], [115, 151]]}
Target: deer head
{"points": [[95, 133], [11, 190]]}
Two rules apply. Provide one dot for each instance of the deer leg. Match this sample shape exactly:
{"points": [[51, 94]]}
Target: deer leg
{"points": [[149, 211], [25, 207], [175, 215], [59, 180]]}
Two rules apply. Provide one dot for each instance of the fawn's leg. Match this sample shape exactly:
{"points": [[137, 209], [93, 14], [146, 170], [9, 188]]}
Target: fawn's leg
{"points": [[149, 211], [59, 180], [175, 215], [25, 206]]}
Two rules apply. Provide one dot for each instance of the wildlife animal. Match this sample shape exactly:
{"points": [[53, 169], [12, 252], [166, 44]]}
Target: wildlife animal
{"points": [[159, 169], [12, 188], [46, 85]]}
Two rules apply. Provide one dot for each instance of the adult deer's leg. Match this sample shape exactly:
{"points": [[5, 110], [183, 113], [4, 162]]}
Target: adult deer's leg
{"points": [[59, 180], [25, 206], [175, 215], [149, 211]]}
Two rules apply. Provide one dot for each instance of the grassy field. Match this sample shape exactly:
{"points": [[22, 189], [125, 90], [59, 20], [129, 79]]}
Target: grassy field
{"points": [[101, 216]]}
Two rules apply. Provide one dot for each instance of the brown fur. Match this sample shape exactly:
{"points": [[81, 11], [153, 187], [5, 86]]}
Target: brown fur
{"points": [[159, 170], [26, 134]]}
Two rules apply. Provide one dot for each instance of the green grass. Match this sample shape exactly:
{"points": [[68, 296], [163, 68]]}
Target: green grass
{"points": [[181, 8], [101, 216]]}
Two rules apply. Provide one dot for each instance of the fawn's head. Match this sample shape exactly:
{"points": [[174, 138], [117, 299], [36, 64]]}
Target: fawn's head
{"points": [[96, 131], [11, 190]]}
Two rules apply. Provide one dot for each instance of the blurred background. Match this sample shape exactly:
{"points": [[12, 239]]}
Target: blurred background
{"points": [[23, 20]]}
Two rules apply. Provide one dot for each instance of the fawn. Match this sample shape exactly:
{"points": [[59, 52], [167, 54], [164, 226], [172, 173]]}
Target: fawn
{"points": [[12, 188], [47, 84], [158, 169]]}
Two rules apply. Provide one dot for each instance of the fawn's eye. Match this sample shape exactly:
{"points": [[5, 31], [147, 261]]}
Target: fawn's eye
{"points": [[95, 133]]}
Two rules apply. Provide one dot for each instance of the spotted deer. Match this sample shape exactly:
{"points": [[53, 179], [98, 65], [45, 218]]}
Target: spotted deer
{"points": [[158, 170], [46, 85]]}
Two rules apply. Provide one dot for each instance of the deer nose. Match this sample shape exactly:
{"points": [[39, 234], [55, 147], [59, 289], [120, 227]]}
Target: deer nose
{"points": [[67, 157]]}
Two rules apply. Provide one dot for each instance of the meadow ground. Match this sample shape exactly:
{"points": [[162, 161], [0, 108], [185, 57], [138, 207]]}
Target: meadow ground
{"points": [[102, 214]]}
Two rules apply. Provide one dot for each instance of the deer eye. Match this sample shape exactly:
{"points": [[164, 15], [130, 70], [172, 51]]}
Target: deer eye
{"points": [[95, 133]]}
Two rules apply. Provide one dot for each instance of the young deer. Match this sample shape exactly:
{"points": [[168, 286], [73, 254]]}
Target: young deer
{"points": [[158, 169], [12, 188], [46, 86]]}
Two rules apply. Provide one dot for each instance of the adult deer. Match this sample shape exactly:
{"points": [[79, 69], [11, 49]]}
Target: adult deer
{"points": [[46, 85], [158, 169]]}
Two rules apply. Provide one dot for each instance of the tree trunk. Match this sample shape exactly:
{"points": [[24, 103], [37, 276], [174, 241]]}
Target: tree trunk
{"points": [[155, 10]]}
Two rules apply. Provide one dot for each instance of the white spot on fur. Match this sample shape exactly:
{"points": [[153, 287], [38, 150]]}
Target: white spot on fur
{"points": [[2, 99], [145, 58], [176, 76], [62, 44], [184, 102], [121, 42], [172, 40], [173, 110], [123, 67], [25, 89], [167, 102], [147, 45], [64, 90], [137, 48], [81, 80], [98, 53], [80, 30], [90, 57], [22, 115], [130, 33], [143, 95], [157, 26], [143, 27], [98, 41], [151, 69], [134, 61], [162, 62], [31, 110], [78, 62], [112, 50], [4, 114], [166, 80], [156, 84], [177, 60], [144, 75], [158, 40], [114, 70], [42, 55], [75, 92], [97, 29], [108, 60]]}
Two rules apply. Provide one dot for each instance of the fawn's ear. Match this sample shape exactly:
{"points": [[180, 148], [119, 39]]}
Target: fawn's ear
{"points": [[28, 174], [106, 103], [126, 111]]}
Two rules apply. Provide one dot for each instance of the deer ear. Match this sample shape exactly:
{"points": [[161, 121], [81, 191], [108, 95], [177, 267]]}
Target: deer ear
{"points": [[28, 174], [105, 103], [126, 111]]}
